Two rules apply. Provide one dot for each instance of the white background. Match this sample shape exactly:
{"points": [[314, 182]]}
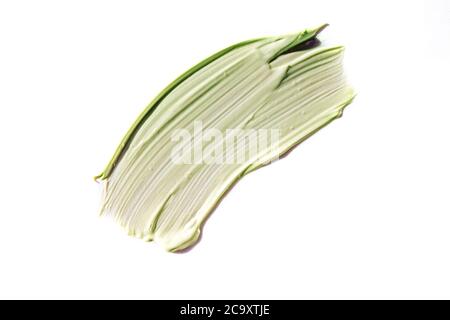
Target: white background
{"points": [[360, 210]]}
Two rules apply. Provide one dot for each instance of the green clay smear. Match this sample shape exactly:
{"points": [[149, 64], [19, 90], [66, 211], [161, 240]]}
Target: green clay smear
{"points": [[292, 85]]}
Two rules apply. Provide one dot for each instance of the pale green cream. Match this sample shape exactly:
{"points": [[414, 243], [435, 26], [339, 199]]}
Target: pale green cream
{"points": [[291, 84]]}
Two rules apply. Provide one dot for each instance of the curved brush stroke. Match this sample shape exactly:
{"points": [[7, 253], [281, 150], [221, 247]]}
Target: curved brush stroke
{"points": [[291, 83]]}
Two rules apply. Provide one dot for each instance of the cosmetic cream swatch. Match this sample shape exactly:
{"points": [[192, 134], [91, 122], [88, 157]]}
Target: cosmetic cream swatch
{"points": [[236, 111]]}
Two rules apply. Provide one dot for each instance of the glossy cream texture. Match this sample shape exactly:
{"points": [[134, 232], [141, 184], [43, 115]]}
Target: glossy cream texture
{"points": [[271, 83]]}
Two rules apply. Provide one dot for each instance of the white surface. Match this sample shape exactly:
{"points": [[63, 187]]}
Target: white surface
{"points": [[360, 210]]}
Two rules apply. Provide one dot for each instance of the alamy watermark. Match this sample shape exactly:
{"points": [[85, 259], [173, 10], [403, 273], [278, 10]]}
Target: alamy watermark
{"points": [[214, 146]]}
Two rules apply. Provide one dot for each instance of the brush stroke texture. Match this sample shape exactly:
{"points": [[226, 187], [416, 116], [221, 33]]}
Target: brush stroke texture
{"points": [[291, 83]]}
